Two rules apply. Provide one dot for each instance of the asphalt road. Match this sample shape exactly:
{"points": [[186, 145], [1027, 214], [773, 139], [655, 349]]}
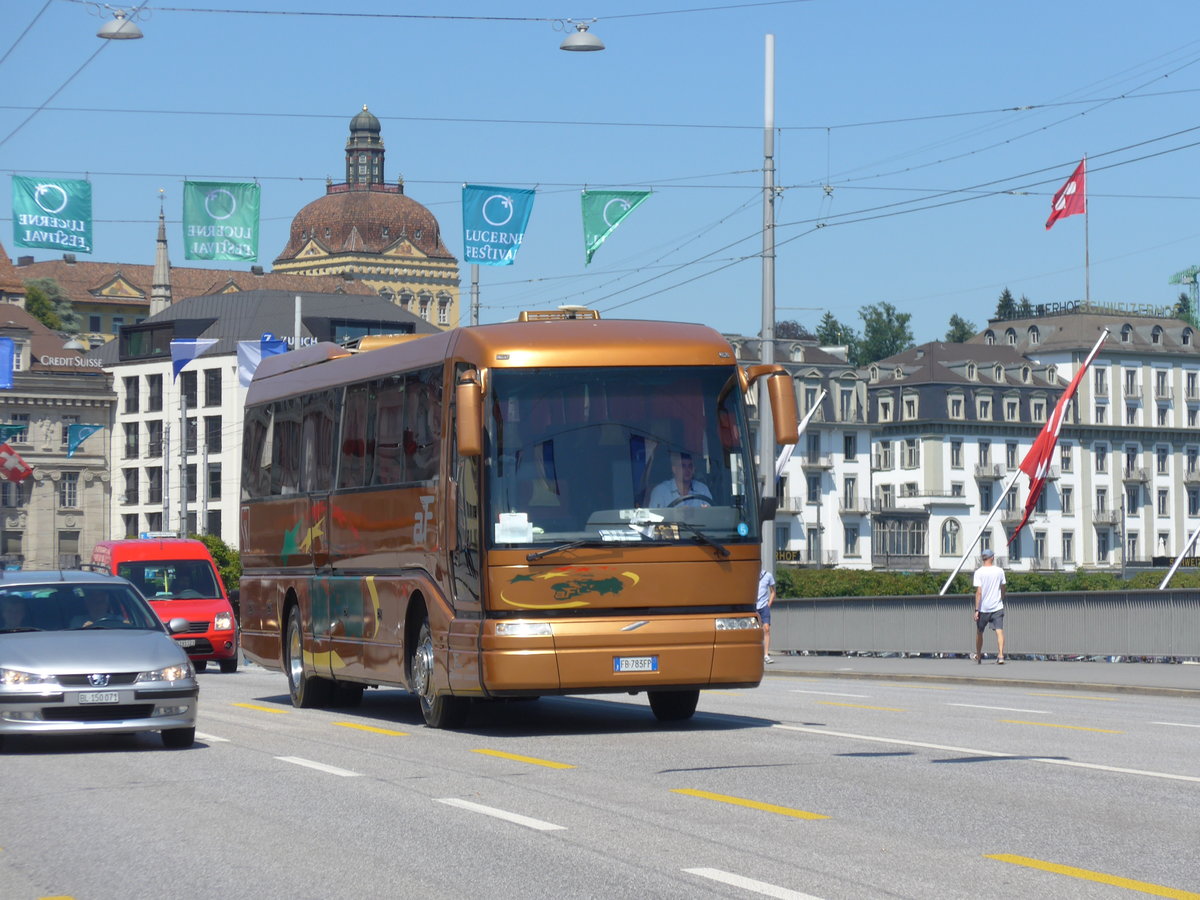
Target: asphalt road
{"points": [[827, 785]]}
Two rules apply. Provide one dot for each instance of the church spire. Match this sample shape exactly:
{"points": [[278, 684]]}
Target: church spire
{"points": [[160, 285]]}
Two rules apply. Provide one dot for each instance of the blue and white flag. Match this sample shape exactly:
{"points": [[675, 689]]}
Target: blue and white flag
{"points": [[184, 350], [251, 353], [8, 353], [494, 220], [77, 434]]}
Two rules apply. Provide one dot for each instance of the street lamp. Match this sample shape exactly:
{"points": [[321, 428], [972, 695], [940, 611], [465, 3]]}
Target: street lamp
{"points": [[581, 40], [120, 28]]}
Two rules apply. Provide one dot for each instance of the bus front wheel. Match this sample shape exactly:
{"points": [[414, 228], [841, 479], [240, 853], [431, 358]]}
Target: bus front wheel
{"points": [[307, 690], [673, 706], [439, 710]]}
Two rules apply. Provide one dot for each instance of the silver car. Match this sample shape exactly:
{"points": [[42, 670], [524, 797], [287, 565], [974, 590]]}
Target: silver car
{"points": [[83, 653]]}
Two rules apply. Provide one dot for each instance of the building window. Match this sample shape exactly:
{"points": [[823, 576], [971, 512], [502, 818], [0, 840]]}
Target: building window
{"points": [[11, 495], [985, 453], [192, 488], [1131, 415], [1010, 336], [1156, 334], [1010, 455], [1067, 495], [1192, 417], [1100, 382], [1162, 417], [956, 454], [912, 453], [68, 549], [885, 410], [130, 497], [1193, 495], [154, 486], [1186, 337], [1010, 410], [1039, 410], [1126, 333], [1101, 413], [212, 434], [1068, 546], [1101, 454], [129, 525], [883, 459], [910, 407], [1033, 334], [1101, 500], [131, 441], [956, 407], [1193, 459], [985, 408], [67, 422], [956, 489], [1064, 457], [1161, 455], [1163, 507], [131, 394], [212, 387], [214, 481], [154, 393], [950, 532], [850, 446], [189, 443], [851, 540], [212, 522], [849, 492], [985, 498], [1039, 546], [187, 388], [154, 437], [1131, 385], [443, 312], [68, 490]]}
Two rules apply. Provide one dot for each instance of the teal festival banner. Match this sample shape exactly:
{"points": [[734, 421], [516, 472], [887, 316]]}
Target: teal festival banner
{"points": [[603, 211], [220, 220], [52, 214], [77, 434], [494, 220]]}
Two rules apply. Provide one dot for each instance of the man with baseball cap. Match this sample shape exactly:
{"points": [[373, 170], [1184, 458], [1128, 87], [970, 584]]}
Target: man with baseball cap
{"points": [[990, 590]]}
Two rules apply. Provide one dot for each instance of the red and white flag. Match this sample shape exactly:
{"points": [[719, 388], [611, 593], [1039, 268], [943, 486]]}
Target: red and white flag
{"points": [[1071, 198], [12, 466], [1036, 463]]}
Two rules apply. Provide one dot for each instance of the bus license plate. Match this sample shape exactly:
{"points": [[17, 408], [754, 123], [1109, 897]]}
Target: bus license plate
{"points": [[186, 642], [100, 697], [635, 663]]}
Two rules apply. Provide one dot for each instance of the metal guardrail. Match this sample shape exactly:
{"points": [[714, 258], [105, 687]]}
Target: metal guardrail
{"points": [[1086, 623]]}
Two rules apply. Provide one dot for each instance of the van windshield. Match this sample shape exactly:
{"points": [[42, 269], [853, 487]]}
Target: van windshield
{"points": [[178, 579]]}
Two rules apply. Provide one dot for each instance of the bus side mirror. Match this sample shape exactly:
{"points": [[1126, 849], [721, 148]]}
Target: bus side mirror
{"points": [[766, 509], [783, 408], [468, 402]]}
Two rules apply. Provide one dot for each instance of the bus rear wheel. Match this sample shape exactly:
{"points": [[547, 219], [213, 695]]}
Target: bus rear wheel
{"points": [[673, 706], [439, 710], [307, 690]]}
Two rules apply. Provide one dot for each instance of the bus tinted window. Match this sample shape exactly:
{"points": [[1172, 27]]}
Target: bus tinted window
{"points": [[256, 453]]}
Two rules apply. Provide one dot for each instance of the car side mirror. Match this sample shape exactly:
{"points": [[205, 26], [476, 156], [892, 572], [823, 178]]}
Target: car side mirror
{"points": [[178, 625]]}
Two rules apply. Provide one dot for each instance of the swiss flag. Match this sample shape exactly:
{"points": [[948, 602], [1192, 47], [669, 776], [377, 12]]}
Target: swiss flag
{"points": [[1071, 198], [12, 466]]}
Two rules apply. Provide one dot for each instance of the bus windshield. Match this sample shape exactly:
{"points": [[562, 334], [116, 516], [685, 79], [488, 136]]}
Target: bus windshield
{"points": [[617, 454]]}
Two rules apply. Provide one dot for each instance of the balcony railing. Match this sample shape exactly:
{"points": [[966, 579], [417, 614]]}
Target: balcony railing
{"points": [[853, 506], [881, 463], [1163, 392], [1106, 517], [1135, 474], [1011, 516], [989, 472], [791, 504], [816, 462], [1191, 476]]}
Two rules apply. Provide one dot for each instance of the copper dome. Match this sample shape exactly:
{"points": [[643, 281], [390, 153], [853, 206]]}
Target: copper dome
{"points": [[364, 221]]}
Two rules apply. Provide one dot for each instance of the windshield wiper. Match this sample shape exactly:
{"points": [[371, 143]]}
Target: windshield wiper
{"points": [[701, 537], [530, 557], [19, 628]]}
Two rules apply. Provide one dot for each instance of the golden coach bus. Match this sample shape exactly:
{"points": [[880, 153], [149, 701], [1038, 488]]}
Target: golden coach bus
{"points": [[506, 511]]}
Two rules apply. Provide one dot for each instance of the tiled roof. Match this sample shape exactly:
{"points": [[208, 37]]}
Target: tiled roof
{"points": [[356, 221], [81, 281], [1079, 331], [943, 362], [44, 341], [9, 282]]}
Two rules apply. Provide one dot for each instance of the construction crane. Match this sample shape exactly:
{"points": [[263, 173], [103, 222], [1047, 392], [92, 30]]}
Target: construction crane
{"points": [[1191, 277]]}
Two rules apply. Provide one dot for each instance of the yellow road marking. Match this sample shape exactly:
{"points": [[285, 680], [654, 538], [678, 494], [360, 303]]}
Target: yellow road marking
{"points": [[372, 729], [1052, 725], [752, 804], [1145, 887], [1073, 696], [533, 761], [860, 706], [270, 709]]}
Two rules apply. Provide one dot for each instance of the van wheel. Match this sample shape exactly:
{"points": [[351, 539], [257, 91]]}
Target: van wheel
{"points": [[307, 690], [673, 706], [439, 710], [178, 738], [228, 666], [200, 664]]}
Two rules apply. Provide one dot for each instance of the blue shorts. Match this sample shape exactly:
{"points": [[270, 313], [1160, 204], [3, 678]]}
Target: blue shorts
{"points": [[996, 617], [764, 613]]}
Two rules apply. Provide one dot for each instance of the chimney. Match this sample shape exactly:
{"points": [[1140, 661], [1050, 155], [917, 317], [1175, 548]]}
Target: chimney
{"points": [[69, 259], [256, 270], [24, 260]]}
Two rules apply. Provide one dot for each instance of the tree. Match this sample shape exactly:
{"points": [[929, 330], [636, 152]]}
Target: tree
{"points": [[229, 564], [791, 330], [1183, 307], [832, 333], [1006, 308], [45, 301], [885, 333], [1024, 308], [960, 331]]}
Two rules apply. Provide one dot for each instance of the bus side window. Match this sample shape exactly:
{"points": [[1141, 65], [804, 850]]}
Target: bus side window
{"points": [[319, 429], [286, 461], [256, 453], [389, 432], [356, 447], [423, 425]]}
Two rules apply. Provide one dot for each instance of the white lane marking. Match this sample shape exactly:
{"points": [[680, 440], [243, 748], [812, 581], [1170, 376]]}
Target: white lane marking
{"points": [[516, 819], [1000, 708], [973, 752], [749, 884], [1177, 724], [320, 767], [211, 738], [829, 694]]}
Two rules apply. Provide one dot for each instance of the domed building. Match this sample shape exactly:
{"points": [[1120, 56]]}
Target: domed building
{"points": [[370, 231]]}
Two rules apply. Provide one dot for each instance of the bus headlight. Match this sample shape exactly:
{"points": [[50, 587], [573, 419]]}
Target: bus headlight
{"points": [[737, 623], [524, 629]]}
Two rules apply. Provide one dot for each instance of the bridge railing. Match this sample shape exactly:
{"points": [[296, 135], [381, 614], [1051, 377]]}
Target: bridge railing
{"points": [[1085, 623]]}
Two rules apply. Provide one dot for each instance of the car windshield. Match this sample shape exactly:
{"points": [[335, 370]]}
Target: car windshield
{"points": [[646, 454], [172, 579], [62, 606]]}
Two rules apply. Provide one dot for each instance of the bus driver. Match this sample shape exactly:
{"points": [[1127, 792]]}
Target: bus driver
{"points": [[681, 489]]}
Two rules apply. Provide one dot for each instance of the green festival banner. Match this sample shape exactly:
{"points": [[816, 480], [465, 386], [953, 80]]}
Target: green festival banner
{"points": [[603, 211], [52, 214], [220, 220]]}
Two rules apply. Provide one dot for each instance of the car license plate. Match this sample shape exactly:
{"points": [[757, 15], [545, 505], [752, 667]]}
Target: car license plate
{"points": [[100, 697], [635, 663], [186, 642]]}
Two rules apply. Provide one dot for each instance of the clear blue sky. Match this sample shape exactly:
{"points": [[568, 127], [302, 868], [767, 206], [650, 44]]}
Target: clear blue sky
{"points": [[926, 137]]}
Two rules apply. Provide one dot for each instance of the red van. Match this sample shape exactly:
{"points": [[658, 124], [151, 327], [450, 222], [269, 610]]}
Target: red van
{"points": [[180, 579]]}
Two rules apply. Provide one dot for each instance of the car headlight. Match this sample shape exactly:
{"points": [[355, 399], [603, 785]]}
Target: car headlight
{"points": [[223, 621], [737, 623], [16, 676], [169, 673]]}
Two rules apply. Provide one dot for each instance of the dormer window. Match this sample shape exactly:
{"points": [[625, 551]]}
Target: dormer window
{"points": [[1126, 333], [1010, 336], [1033, 334], [972, 371], [898, 373], [1052, 374], [998, 373], [989, 337], [1025, 374], [386, 231], [1186, 337], [1156, 335], [874, 373]]}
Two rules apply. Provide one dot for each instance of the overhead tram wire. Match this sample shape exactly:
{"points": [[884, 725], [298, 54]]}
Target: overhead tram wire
{"points": [[21, 36]]}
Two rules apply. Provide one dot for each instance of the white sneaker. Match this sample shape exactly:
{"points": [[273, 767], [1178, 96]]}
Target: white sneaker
{"points": [[767, 659]]}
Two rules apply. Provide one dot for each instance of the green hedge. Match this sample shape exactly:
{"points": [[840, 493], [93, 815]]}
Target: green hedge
{"points": [[794, 582]]}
